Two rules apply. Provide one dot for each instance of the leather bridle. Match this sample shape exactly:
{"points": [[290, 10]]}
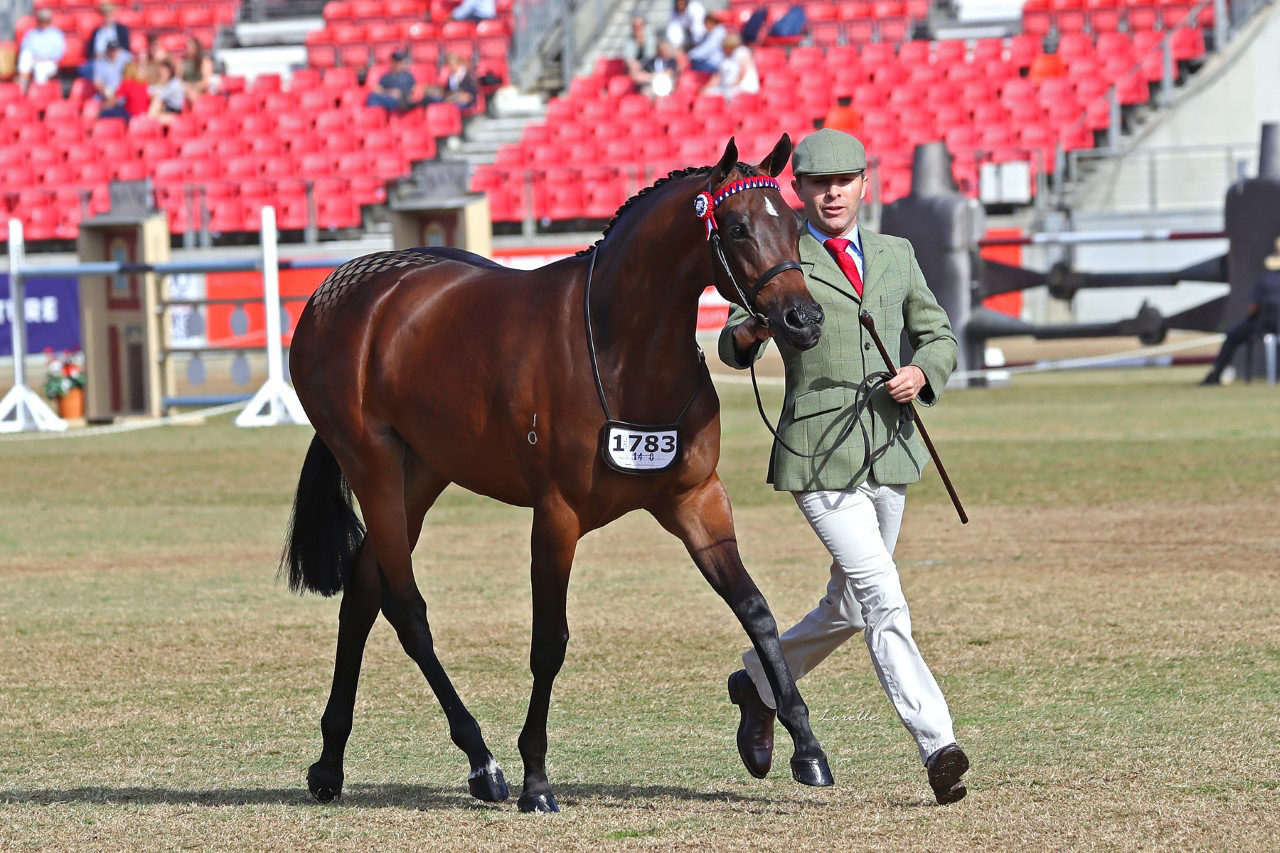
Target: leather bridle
{"points": [[704, 207]]}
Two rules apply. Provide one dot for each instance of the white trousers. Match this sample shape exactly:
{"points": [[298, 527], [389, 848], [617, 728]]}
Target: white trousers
{"points": [[860, 529], [41, 70]]}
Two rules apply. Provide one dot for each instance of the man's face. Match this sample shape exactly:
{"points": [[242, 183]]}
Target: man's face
{"points": [[831, 202]]}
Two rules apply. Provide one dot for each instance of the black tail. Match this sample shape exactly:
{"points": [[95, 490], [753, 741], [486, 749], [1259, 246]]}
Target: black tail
{"points": [[324, 532]]}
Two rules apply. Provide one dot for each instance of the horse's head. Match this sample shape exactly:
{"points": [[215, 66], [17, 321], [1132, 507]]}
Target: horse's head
{"points": [[755, 245]]}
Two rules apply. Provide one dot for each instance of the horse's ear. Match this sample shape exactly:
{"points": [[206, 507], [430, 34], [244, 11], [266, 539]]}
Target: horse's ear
{"points": [[728, 160], [777, 159]]}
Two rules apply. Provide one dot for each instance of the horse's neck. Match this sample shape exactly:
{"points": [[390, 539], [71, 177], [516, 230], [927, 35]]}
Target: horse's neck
{"points": [[644, 306]]}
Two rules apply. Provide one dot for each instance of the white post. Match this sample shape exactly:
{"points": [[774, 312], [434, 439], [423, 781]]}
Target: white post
{"points": [[276, 402], [1269, 351], [22, 409]]}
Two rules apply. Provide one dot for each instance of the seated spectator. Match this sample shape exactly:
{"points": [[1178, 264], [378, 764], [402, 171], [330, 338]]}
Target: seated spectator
{"points": [[791, 25], [738, 74], [396, 90], [687, 25], [168, 97], [657, 78], [108, 70], [109, 31], [753, 29], [149, 63], [707, 54], [41, 51], [640, 48], [475, 10], [457, 84], [129, 99], [198, 74]]}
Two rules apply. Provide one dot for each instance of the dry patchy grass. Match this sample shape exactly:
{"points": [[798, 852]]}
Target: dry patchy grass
{"points": [[1105, 631]]}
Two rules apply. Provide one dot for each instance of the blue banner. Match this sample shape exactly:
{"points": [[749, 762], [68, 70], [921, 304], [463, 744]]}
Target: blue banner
{"points": [[52, 312]]}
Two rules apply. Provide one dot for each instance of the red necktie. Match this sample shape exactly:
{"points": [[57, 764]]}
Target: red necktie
{"points": [[837, 246]]}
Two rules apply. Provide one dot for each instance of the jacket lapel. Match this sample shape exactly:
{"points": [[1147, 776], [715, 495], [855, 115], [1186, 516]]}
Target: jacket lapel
{"points": [[818, 264], [873, 267]]}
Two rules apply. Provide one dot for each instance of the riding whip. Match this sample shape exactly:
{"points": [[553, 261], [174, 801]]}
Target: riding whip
{"points": [[912, 414]]}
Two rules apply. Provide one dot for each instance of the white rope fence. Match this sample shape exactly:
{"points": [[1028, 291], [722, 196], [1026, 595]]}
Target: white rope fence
{"points": [[130, 426]]}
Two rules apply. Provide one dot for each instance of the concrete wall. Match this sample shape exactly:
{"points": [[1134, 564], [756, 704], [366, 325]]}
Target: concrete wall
{"points": [[1221, 109]]}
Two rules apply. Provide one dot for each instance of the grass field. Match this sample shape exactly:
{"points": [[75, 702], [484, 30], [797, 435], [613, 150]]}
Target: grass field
{"points": [[1106, 631]]}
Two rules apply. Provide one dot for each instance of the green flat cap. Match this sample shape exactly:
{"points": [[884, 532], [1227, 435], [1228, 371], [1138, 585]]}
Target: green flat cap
{"points": [[828, 152]]}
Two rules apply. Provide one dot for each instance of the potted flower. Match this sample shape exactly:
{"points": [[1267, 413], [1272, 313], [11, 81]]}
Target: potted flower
{"points": [[64, 382]]}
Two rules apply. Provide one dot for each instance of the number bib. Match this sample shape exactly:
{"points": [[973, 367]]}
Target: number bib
{"points": [[634, 449]]}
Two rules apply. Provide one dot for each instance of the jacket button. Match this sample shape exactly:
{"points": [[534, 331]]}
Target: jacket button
{"points": [[867, 347]]}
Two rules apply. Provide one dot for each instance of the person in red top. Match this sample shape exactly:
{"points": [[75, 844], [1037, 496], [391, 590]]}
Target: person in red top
{"points": [[131, 97]]}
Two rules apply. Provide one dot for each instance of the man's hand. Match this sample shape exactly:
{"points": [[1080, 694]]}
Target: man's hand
{"points": [[750, 332], [907, 385]]}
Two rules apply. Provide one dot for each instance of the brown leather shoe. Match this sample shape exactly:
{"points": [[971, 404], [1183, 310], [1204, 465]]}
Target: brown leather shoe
{"points": [[755, 730], [945, 767]]}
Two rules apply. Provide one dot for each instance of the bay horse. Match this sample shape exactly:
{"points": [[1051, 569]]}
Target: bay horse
{"points": [[427, 367]]}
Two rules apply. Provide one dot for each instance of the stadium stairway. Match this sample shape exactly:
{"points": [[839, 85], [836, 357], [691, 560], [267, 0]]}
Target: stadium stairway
{"points": [[485, 135], [617, 32]]}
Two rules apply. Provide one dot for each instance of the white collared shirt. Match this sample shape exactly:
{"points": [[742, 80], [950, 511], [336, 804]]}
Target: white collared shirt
{"points": [[855, 245]]}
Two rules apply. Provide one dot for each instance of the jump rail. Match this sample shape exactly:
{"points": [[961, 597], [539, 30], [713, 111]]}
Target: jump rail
{"points": [[274, 403]]}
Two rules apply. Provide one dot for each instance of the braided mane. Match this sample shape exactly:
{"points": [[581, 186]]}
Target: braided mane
{"points": [[745, 168]]}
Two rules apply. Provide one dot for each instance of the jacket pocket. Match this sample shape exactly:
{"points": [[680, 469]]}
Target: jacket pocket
{"points": [[817, 402]]}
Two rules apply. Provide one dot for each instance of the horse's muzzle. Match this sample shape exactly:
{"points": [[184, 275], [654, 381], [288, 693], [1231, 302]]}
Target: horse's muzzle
{"points": [[802, 325]]}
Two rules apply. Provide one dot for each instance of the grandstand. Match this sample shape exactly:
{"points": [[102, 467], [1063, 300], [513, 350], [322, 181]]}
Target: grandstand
{"points": [[1066, 75]]}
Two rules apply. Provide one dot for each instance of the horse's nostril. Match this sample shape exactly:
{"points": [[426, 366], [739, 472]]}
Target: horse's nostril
{"points": [[803, 317]]}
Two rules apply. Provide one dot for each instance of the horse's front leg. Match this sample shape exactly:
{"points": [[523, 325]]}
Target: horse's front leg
{"points": [[703, 520], [556, 530]]}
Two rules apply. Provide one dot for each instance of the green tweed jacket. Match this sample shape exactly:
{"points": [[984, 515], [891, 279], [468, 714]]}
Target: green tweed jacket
{"points": [[820, 383]]}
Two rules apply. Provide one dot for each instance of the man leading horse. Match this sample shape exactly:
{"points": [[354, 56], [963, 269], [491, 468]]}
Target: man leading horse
{"points": [[846, 454]]}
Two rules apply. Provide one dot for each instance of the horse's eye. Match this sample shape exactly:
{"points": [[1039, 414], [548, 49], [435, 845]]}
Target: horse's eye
{"points": [[738, 231]]}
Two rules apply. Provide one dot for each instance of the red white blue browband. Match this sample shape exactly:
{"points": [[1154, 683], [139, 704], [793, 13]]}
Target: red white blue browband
{"points": [[705, 204]]}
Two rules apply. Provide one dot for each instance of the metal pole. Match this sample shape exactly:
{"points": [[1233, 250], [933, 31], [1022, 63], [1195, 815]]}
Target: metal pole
{"points": [[1113, 119], [1269, 352], [1220, 24], [567, 59], [189, 234], [1166, 74], [311, 235]]}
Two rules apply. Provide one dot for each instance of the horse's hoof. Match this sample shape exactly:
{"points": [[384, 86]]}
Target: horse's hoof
{"points": [[812, 771], [488, 784], [538, 803], [324, 783]]}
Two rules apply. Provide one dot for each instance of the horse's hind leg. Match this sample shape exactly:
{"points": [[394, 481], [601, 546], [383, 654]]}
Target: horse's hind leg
{"points": [[361, 599], [381, 482], [361, 595], [555, 538]]}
